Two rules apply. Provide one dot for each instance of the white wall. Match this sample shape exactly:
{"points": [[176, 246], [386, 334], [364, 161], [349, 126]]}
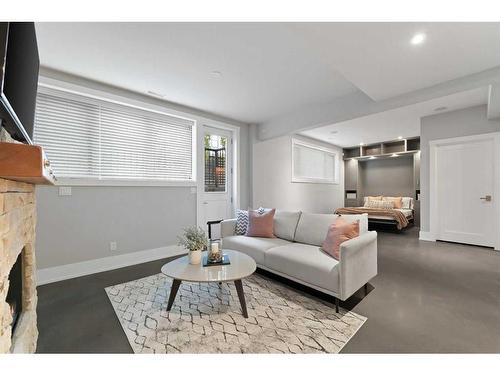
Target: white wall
{"points": [[272, 176], [79, 227], [464, 122]]}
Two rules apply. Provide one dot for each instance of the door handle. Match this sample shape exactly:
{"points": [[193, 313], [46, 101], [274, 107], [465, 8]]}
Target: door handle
{"points": [[207, 202], [486, 198]]}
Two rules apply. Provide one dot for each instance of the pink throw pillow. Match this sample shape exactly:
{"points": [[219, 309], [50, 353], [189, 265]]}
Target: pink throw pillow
{"points": [[339, 232], [261, 225]]}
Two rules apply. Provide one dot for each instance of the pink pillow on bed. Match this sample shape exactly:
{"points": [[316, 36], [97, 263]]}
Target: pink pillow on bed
{"points": [[339, 232], [261, 225]]}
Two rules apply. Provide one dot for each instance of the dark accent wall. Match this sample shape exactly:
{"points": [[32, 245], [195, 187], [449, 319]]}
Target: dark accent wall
{"points": [[390, 177]]}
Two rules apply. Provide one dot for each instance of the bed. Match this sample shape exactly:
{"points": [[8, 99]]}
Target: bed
{"points": [[399, 217]]}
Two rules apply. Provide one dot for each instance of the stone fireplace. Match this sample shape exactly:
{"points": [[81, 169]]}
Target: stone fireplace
{"points": [[18, 298], [15, 291]]}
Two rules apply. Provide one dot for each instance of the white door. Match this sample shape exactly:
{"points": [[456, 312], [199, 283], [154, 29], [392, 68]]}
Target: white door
{"points": [[216, 197], [465, 175]]}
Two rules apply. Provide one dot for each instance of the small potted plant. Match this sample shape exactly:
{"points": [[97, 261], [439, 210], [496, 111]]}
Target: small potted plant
{"points": [[194, 241]]}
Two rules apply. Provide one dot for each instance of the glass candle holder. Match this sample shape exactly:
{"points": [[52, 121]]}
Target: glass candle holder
{"points": [[215, 251]]}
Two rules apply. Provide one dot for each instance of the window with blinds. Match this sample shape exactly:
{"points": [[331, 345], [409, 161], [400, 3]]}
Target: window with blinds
{"points": [[311, 163], [88, 138]]}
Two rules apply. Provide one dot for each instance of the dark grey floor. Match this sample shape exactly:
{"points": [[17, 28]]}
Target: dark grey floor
{"points": [[428, 297]]}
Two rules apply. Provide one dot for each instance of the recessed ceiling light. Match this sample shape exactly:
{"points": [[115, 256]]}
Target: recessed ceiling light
{"points": [[439, 109], [216, 74], [418, 38], [400, 137]]}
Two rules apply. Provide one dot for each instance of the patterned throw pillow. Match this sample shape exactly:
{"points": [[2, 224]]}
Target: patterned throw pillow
{"points": [[398, 201], [242, 221], [372, 198], [385, 205]]}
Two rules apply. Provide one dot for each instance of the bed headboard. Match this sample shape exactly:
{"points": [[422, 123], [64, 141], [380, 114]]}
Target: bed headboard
{"points": [[407, 202]]}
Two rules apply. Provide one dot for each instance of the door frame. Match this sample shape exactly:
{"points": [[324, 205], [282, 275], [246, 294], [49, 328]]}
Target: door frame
{"points": [[200, 170], [433, 188]]}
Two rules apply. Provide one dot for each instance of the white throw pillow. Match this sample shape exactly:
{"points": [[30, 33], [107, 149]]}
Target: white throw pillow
{"points": [[407, 203]]}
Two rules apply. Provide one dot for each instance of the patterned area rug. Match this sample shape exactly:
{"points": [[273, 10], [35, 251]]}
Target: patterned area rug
{"points": [[206, 318]]}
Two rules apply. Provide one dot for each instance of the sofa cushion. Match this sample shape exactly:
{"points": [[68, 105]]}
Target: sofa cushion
{"points": [[285, 224], [363, 221], [312, 228], [306, 263], [254, 247]]}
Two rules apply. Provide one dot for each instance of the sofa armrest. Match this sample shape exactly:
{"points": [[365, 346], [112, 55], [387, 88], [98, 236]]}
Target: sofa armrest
{"points": [[227, 228], [358, 263]]}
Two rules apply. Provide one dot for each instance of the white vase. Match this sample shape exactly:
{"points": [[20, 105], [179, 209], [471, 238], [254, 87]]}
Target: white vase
{"points": [[194, 257]]}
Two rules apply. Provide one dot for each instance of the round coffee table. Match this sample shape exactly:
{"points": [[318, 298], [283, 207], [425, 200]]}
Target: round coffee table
{"points": [[180, 270]]}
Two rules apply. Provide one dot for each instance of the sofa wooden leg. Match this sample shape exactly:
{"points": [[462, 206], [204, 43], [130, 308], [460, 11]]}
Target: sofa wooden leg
{"points": [[336, 305]]}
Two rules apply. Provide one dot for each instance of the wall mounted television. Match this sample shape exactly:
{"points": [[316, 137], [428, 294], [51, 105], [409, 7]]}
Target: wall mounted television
{"points": [[19, 68]]}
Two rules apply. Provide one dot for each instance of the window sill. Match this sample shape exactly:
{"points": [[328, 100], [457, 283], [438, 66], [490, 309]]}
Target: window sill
{"points": [[120, 182], [313, 181]]}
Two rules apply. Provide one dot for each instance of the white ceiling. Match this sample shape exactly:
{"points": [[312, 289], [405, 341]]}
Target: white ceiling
{"points": [[401, 122], [380, 60], [265, 71], [268, 69]]}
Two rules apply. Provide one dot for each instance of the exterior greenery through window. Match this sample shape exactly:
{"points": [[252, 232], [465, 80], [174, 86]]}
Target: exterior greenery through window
{"points": [[215, 163]]}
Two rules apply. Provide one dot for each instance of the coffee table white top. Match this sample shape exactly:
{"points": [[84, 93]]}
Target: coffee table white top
{"points": [[241, 266]]}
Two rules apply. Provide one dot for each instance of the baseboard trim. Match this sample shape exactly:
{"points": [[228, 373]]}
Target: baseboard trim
{"points": [[426, 236], [70, 271]]}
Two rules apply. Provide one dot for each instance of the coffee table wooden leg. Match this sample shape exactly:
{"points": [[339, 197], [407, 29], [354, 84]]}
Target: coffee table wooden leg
{"points": [[241, 296], [173, 293]]}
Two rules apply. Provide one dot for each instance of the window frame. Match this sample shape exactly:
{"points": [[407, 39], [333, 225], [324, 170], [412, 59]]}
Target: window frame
{"points": [[99, 95], [336, 167]]}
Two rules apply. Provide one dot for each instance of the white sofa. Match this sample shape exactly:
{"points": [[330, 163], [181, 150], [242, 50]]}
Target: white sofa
{"points": [[295, 253]]}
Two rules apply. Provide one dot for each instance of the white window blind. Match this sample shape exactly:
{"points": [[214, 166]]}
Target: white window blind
{"points": [[90, 138], [311, 163]]}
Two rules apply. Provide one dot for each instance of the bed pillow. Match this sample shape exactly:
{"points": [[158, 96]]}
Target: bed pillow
{"points": [[261, 225], [407, 203], [398, 201], [372, 198], [384, 205], [339, 232], [242, 221]]}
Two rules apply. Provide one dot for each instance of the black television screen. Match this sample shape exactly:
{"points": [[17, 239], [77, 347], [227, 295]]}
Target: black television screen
{"points": [[19, 80]]}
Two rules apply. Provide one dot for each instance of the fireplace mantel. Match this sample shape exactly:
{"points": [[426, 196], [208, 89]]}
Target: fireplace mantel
{"points": [[25, 163]]}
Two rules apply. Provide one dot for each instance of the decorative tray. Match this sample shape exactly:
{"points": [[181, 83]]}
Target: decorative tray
{"points": [[224, 261]]}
